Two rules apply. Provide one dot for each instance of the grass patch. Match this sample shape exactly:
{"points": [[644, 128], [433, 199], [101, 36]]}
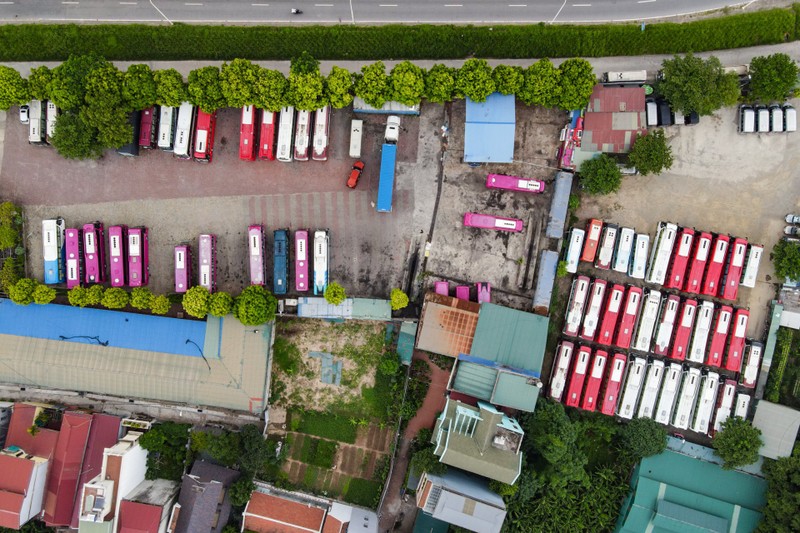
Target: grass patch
{"points": [[325, 425], [317, 452], [310, 477], [287, 356], [363, 492]]}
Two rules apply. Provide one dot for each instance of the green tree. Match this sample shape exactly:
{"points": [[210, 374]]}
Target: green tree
{"points": [[474, 80], [541, 84], [271, 90], [196, 301], [373, 85], [426, 461], [643, 437], [221, 304], [238, 79], [305, 63], [39, 81], [21, 293], [113, 128], [74, 138], [95, 294], [139, 88], [692, 84], [334, 294], [10, 214], [240, 491], [166, 444], [67, 88], [170, 88], [205, 89], [440, 84], [161, 305], [407, 83], [772, 78], [577, 80], [339, 87], [9, 237], [651, 154], [9, 273], [43, 294], [141, 298], [78, 296], [256, 452], [508, 79], [115, 298], [13, 88], [600, 175], [786, 258], [255, 306], [307, 90], [399, 299], [783, 495], [738, 443], [389, 365], [105, 108]]}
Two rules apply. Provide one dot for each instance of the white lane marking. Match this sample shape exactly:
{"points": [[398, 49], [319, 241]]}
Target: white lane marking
{"points": [[70, 3], [645, 1], [581, 5], [128, 3], [517, 5], [323, 5], [454, 5], [260, 5], [387, 5], [192, 4], [6, 3]]}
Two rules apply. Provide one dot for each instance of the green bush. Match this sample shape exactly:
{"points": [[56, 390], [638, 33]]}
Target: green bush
{"points": [[221, 304], [9, 273], [115, 298], [326, 426], [399, 299], [363, 492], [783, 346], [161, 305], [78, 296], [141, 298], [43, 294], [287, 356], [9, 237], [196, 301], [21, 293], [255, 306], [94, 295]]}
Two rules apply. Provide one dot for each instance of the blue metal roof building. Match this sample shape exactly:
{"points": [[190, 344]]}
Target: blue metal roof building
{"points": [[489, 131]]}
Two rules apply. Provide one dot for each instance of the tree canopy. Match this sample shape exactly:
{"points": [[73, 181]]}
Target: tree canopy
{"points": [[474, 80], [541, 84], [508, 79], [74, 138], [577, 81], [68, 84], [170, 87], [643, 437], [221, 304], [786, 258], [692, 84], [399, 299], [373, 84], [651, 154], [139, 88], [440, 83], [340, 87], [115, 298], [600, 175], [196, 301], [238, 79], [39, 81], [21, 293], [13, 88], [334, 293], [255, 306], [737, 443], [271, 90], [772, 78], [783, 494], [205, 89]]}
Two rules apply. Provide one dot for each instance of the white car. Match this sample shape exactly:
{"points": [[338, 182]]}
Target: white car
{"points": [[791, 230], [23, 114], [792, 219]]}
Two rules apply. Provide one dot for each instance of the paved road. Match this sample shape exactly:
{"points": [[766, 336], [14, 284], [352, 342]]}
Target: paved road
{"points": [[352, 11]]}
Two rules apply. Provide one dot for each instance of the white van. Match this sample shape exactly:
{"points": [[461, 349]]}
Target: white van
{"points": [[356, 127], [392, 129], [652, 113], [789, 118], [747, 119], [775, 118], [762, 119]]}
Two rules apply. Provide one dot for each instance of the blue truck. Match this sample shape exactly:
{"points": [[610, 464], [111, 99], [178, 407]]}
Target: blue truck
{"points": [[386, 182]]}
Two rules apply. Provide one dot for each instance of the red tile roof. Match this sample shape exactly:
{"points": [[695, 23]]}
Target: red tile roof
{"points": [[10, 506], [62, 480], [614, 117], [616, 99], [14, 482], [135, 517], [271, 514], [40, 445], [332, 525]]}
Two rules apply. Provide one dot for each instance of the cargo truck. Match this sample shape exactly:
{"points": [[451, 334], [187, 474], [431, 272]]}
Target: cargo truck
{"points": [[388, 161]]}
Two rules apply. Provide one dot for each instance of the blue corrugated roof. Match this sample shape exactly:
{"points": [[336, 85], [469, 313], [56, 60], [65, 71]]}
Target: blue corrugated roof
{"points": [[386, 183], [559, 205], [98, 326], [548, 266], [489, 131]]}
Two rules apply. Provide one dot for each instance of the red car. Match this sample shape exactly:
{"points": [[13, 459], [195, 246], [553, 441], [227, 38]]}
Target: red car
{"points": [[355, 173]]}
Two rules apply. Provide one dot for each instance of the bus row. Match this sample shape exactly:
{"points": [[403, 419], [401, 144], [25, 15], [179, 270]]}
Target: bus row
{"points": [[186, 131], [42, 115], [691, 330], [77, 256], [685, 398]]}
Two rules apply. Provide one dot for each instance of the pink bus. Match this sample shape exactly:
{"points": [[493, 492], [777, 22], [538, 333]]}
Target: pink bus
{"points": [[183, 268], [629, 315], [117, 256], [719, 254], [514, 183], [148, 126], [477, 220], [680, 260], [138, 257], [207, 261], [255, 235], [484, 292], [301, 260], [608, 325], [72, 249], [694, 279], [94, 255]]}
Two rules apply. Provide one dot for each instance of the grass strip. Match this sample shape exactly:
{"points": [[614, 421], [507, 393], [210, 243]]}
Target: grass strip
{"points": [[327, 426]]}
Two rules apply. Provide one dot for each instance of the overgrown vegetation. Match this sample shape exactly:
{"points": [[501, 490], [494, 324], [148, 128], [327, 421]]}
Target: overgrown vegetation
{"points": [[780, 358], [695, 85], [783, 494], [12, 253], [737, 443], [166, 444], [323, 425], [786, 258]]}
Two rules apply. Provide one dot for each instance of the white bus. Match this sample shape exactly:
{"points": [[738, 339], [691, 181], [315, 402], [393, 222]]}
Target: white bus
{"points": [[633, 385], [752, 364], [725, 406], [302, 135], [751, 267], [36, 124], [686, 399], [319, 151], [285, 130], [166, 127], [669, 391], [647, 322], [356, 127], [320, 262], [577, 302], [742, 405], [705, 406], [662, 253], [184, 131], [558, 379], [52, 115], [666, 325], [638, 266], [702, 328], [622, 258], [651, 387], [574, 249], [606, 252], [592, 317]]}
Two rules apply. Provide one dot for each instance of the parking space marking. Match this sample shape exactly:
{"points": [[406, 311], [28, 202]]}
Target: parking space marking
{"points": [[192, 4], [454, 5], [6, 3], [517, 5], [70, 3]]}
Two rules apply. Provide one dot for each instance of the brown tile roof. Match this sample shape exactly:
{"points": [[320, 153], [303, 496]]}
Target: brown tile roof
{"points": [[14, 481], [270, 514], [62, 481], [42, 444]]}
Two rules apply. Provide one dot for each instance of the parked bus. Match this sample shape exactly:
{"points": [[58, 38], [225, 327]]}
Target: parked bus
{"points": [[592, 393], [320, 261], [752, 364], [736, 347], [652, 385], [622, 257], [680, 260], [605, 254], [578, 377], [148, 128], [167, 119], [683, 333], [183, 268], [613, 384], [608, 324], [669, 391], [204, 141], [255, 240], [638, 266], [577, 303], [751, 266], [184, 131], [280, 269], [53, 250], [37, 124], [117, 255], [702, 249], [356, 128], [666, 325], [51, 115], [647, 322], [302, 135], [207, 261], [138, 257], [629, 77], [709, 386], [319, 151], [662, 252], [285, 134], [686, 399], [558, 379], [733, 272], [574, 249], [514, 183], [719, 336], [742, 408], [301, 260], [593, 230], [484, 221], [266, 138], [629, 315], [702, 328], [632, 387], [72, 253], [724, 405], [247, 134], [716, 263], [94, 252], [592, 316]]}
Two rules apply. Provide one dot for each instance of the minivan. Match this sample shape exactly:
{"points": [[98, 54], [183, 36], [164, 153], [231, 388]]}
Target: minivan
{"points": [[652, 112], [789, 118], [664, 114], [775, 118], [762, 119], [747, 119]]}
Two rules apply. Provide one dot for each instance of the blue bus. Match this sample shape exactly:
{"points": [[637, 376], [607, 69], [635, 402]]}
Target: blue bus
{"points": [[280, 273], [53, 250]]}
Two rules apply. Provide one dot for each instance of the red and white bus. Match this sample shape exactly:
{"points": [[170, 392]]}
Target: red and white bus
{"points": [[138, 257], [605, 254], [613, 384], [683, 333], [752, 365], [204, 137], [117, 254], [629, 315], [608, 324], [247, 133], [558, 379], [301, 260], [632, 388], [183, 268], [207, 261], [680, 259], [577, 302], [255, 236], [733, 273], [702, 328], [592, 316], [719, 336], [593, 230], [751, 267], [72, 253], [694, 280], [668, 394], [666, 325], [652, 384], [319, 151], [301, 135], [148, 127], [578, 376], [591, 395], [647, 322], [661, 254], [736, 347], [724, 405], [94, 252], [704, 411], [266, 138], [716, 264]]}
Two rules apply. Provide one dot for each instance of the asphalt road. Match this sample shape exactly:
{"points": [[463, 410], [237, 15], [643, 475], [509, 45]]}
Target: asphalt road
{"points": [[351, 11]]}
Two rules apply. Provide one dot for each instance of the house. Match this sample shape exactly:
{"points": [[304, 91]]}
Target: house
{"points": [[147, 508], [481, 440], [62, 482], [462, 500], [203, 505]]}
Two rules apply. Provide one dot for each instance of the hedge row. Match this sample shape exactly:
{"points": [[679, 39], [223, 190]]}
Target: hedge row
{"points": [[131, 42]]}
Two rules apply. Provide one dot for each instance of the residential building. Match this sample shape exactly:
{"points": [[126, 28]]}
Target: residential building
{"points": [[461, 499], [62, 482], [147, 508], [6, 408], [203, 505]]}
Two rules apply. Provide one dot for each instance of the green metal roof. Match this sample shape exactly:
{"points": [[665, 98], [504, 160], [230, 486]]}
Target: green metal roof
{"points": [[475, 380], [510, 337], [513, 390], [425, 523], [405, 341], [95, 527]]}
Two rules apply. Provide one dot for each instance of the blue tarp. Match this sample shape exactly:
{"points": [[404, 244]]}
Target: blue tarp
{"points": [[108, 328], [386, 183], [490, 129]]}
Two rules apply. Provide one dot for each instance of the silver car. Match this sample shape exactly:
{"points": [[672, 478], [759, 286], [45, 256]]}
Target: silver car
{"points": [[791, 230], [24, 114], [792, 219]]}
